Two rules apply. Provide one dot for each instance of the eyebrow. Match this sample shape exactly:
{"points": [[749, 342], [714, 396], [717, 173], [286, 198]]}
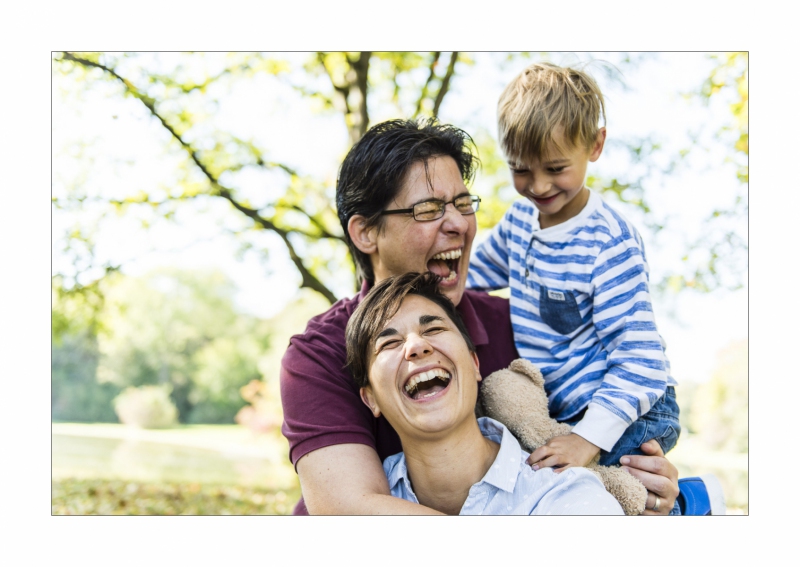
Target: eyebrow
{"points": [[559, 161], [423, 320], [386, 332], [437, 199]]}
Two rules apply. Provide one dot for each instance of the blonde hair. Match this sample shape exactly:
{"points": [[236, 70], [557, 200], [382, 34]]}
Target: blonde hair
{"points": [[539, 101]]}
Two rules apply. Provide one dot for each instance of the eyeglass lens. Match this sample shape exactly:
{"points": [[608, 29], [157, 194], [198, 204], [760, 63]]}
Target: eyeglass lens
{"points": [[432, 210]]}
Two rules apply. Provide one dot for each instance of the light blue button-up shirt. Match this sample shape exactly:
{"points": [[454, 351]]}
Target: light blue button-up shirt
{"points": [[511, 487]]}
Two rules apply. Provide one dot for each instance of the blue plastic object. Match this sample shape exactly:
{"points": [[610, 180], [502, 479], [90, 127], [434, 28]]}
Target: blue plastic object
{"points": [[701, 496]]}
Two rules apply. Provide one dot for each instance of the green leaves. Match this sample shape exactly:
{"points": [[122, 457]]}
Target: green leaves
{"points": [[185, 96], [180, 329]]}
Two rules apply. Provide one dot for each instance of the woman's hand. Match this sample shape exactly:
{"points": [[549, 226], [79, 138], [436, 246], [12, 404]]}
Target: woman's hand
{"points": [[658, 475]]}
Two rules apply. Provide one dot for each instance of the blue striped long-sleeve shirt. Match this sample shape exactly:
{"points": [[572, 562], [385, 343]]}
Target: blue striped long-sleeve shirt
{"points": [[581, 311]]}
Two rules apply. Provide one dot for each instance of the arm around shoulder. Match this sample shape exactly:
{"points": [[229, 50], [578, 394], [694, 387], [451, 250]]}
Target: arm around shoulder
{"points": [[349, 479]]}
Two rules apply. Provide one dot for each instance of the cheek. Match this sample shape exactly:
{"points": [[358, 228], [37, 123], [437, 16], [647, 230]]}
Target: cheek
{"points": [[473, 228], [577, 179], [417, 243], [383, 368]]}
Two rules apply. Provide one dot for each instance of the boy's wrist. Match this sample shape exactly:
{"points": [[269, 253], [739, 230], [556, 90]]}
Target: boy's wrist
{"points": [[600, 427], [588, 449]]}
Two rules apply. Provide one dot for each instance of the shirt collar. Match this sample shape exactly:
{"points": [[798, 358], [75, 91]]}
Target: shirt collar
{"points": [[502, 474], [504, 471], [399, 472]]}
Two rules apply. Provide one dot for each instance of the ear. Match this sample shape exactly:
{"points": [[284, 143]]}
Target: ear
{"points": [[597, 147], [364, 237], [477, 365], [369, 400]]}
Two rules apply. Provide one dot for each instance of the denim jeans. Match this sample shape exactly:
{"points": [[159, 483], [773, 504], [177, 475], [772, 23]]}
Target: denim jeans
{"points": [[660, 423]]}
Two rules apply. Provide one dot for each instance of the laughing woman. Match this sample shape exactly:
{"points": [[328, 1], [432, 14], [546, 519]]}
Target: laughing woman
{"points": [[415, 364]]}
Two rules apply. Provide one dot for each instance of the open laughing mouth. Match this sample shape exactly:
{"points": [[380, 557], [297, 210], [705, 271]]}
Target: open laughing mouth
{"points": [[427, 384], [445, 265]]}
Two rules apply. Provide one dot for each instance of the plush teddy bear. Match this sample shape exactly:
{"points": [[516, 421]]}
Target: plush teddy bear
{"points": [[515, 397]]}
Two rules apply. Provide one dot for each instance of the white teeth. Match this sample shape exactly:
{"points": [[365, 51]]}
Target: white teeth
{"points": [[425, 376], [451, 255]]}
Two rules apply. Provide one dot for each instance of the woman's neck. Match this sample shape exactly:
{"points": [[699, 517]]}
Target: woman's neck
{"points": [[443, 470]]}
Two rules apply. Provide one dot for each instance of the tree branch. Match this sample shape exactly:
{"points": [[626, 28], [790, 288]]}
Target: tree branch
{"points": [[431, 76], [167, 80], [309, 280], [451, 68], [342, 91], [323, 231], [361, 68]]}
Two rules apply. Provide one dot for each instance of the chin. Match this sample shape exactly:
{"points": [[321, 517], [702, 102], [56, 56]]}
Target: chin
{"points": [[454, 294]]}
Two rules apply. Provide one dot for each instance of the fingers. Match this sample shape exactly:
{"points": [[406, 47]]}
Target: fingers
{"points": [[652, 448], [541, 453], [551, 461], [657, 486], [657, 474], [657, 465], [544, 457], [650, 506]]}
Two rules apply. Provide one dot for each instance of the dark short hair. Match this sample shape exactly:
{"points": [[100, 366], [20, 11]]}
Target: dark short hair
{"points": [[380, 305], [374, 169]]}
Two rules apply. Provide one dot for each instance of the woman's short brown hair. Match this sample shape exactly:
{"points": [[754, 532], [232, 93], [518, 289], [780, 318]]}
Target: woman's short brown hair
{"points": [[380, 305]]}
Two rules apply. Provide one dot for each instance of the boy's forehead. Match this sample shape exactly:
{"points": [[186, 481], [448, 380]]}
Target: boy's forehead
{"points": [[555, 152], [555, 148]]}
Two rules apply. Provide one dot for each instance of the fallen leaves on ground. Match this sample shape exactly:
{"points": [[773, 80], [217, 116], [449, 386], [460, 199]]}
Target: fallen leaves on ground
{"points": [[121, 497]]}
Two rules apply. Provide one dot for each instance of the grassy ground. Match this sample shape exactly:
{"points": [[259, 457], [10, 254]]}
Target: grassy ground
{"points": [[693, 458], [226, 469], [120, 497], [111, 469]]}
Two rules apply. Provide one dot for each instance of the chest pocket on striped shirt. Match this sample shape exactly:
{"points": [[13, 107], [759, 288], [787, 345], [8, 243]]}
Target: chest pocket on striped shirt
{"points": [[559, 309]]}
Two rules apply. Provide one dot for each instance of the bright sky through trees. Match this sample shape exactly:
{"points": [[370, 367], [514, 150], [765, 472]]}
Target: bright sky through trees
{"points": [[126, 154]]}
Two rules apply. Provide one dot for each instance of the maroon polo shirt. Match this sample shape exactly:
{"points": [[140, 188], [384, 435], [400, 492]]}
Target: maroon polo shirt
{"points": [[321, 404]]}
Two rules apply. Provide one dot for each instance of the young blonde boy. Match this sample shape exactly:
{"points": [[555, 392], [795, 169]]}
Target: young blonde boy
{"points": [[580, 301]]}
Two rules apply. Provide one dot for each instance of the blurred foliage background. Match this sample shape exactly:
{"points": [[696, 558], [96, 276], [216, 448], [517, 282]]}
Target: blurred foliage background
{"points": [[144, 359]]}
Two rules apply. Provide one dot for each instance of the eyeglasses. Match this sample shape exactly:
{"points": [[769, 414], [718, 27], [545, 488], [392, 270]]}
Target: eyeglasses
{"points": [[434, 209]]}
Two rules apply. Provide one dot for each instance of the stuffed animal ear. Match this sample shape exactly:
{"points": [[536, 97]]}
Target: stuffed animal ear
{"points": [[528, 369]]}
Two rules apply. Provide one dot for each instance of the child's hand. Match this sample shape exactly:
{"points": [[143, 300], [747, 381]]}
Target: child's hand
{"points": [[563, 452]]}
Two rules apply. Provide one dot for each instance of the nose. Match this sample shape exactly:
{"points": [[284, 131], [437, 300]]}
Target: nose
{"points": [[540, 185], [454, 221], [416, 347]]}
